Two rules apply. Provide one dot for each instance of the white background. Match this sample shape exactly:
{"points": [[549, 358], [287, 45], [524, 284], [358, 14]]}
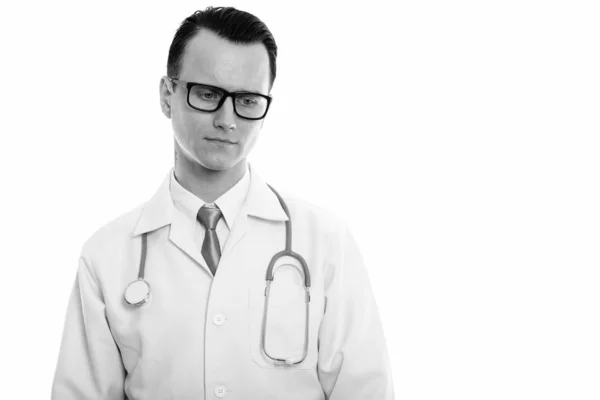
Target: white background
{"points": [[458, 138]]}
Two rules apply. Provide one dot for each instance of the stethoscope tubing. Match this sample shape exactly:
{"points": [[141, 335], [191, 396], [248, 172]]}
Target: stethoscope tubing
{"points": [[142, 269], [288, 252]]}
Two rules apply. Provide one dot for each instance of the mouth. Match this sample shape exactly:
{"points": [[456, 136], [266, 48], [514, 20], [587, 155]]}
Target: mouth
{"points": [[220, 141]]}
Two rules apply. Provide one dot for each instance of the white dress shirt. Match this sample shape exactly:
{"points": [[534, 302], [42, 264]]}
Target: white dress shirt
{"points": [[230, 203]]}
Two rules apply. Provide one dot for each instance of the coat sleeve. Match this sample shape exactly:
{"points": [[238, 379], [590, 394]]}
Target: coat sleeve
{"points": [[353, 361], [89, 362]]}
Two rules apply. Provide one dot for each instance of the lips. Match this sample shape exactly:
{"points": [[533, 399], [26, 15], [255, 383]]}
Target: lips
{"points": [[220, 140]]}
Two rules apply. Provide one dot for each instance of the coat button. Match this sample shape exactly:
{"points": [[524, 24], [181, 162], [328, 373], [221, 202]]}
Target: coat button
{"points": [[220, 391], [219, 319]]}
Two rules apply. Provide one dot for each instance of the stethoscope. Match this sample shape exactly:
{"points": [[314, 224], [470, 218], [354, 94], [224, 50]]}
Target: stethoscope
{"points": [[138, 291]]}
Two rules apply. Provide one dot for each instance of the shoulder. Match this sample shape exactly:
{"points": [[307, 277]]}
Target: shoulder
{"points": [[111, 236], [327, 221]]}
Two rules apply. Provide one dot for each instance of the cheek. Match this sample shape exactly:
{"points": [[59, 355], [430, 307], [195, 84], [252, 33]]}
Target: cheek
{"points": [[250, 137], [189, 124]]}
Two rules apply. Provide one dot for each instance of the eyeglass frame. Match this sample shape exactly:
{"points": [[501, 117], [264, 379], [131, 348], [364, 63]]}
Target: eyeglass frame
{"points": [[190, 85]]}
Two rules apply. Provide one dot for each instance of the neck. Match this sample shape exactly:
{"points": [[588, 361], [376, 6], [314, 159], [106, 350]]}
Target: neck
{"points": [[205, 183]]}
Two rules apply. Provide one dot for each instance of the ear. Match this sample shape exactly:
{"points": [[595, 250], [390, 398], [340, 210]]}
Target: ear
{"points": [[166, 90]]}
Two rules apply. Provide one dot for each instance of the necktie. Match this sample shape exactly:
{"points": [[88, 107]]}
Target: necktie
{"points": [[211, 250]]}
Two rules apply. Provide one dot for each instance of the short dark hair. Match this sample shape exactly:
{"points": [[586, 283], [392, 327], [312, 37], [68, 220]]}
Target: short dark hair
{"points": [[237, 26]]}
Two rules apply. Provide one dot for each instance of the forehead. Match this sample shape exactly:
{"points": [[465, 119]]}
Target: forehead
{"points": [[213, 60]]}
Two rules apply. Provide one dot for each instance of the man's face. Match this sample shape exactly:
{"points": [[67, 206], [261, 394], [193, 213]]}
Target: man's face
{"points": [[214, 61]]}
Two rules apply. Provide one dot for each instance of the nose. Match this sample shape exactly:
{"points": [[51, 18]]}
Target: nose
{"points": [[225, 116]]}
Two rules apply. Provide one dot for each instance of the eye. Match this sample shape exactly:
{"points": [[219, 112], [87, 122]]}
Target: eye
{"points": [[205, 94], [209, 95], [248, 100]]}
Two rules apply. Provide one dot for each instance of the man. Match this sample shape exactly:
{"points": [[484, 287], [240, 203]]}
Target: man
{"points": [[199, 324]]}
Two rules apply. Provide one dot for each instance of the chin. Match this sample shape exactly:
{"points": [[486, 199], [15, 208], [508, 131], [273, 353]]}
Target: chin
{"points": [[218, 164]]}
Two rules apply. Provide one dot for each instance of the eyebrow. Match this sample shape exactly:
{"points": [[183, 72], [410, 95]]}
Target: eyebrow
{"points": [[229, 90], [244, 90], [233, 91]]}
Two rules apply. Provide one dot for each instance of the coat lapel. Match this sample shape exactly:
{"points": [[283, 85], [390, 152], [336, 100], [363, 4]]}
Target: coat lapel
{"points": [[159, 211], [260, 203], [182, 235]]}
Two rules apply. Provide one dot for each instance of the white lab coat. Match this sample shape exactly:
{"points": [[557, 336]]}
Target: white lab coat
{"points": [[199, 337]]}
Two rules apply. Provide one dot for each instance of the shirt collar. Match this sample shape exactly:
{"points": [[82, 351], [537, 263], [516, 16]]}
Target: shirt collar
{"points": [[260, 202], [230, 202]]}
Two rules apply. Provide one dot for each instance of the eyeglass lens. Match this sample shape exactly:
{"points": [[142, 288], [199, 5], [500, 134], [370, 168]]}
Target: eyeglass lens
{"points": [[246, 104]]}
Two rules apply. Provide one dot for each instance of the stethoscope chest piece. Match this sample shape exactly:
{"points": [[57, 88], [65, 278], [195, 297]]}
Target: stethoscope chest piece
{"points": [[138, 292]]}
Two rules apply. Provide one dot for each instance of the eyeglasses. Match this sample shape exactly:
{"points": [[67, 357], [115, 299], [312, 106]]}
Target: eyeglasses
{"points": [[207, 98]]}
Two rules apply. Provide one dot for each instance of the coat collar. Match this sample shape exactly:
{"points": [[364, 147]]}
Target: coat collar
{"points": [[159, 211]]}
